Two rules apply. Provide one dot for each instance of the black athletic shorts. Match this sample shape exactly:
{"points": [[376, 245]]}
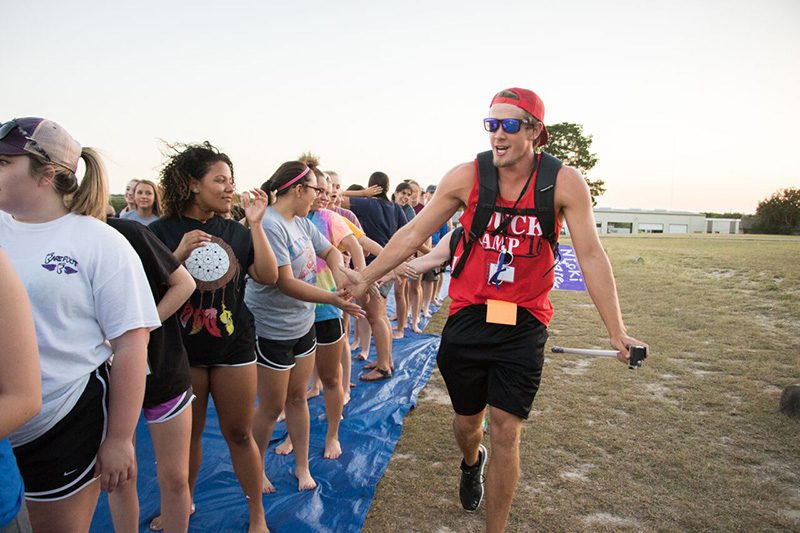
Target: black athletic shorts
{"points": [[239, 352], [329, 331], [493, 364], [61, 462], [431, 275], [281, 355]]}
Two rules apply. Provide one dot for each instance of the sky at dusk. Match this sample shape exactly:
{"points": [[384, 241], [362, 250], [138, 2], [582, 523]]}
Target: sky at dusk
{"points": [[691, 105]]}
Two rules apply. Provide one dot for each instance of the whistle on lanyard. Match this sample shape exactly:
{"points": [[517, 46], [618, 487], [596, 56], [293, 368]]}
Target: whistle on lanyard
{"points": [[501, 267]]}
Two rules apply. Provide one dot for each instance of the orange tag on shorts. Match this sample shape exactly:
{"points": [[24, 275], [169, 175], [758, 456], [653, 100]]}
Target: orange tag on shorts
{"points": [[500, 312]]}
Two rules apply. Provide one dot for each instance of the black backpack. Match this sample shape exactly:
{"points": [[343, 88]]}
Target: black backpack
{"points": [[544, 198]]}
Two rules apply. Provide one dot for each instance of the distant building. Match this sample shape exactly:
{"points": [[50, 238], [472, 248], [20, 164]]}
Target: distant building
{"points": [[642, 221], [631, 221], [723, 225]]}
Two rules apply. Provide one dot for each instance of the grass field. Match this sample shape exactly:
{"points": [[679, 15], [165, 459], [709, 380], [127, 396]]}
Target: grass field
{"points": [[691, 442]]}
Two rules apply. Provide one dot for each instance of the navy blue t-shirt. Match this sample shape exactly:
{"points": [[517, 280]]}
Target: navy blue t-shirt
{"points": [[380, 218]]}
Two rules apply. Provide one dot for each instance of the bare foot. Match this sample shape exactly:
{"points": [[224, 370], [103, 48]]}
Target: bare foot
{"points": [[415, 328], [397, 334], [285, 447], [312, 393], [333, 450], [157, 525], [305, 481], [267, 486], [355, 347], [346, 399]]}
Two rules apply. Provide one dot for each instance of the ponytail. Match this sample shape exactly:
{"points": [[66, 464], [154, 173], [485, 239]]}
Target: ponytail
{"points": [[91, 196]]}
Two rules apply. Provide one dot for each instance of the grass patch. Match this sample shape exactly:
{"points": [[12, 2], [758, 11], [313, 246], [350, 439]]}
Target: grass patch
{"points": [[692, 441]]}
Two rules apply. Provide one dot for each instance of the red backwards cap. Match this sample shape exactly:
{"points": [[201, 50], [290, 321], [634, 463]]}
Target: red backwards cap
{"points": [[528, 101]]}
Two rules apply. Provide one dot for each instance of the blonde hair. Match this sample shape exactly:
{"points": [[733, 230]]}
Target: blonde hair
{"points": [[90, 196]]}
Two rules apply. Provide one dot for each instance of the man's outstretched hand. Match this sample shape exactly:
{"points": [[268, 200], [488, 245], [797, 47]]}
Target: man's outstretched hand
{"points": [[355, 284]]}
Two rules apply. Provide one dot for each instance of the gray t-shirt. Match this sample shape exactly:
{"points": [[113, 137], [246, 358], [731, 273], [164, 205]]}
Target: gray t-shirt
{"points": [[295, 242], [134, 215]]}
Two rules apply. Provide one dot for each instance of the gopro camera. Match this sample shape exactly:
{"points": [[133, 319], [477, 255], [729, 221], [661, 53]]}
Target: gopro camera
{"points": [[637, 356]]}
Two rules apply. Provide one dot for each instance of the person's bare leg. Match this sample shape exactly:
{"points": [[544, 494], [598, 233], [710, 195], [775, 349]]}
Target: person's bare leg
{"points": [[171, 443], [234, 391], [503, 470], [314, 385], [415, 301], [198, 424], [67, 515], [402, 307], [124, 505], [345, 360], [468, 431], [330, 372], [437, 290], [427, 297], [199, 409], [382, 331], [297, 420], [363, 335], [272, 387]]}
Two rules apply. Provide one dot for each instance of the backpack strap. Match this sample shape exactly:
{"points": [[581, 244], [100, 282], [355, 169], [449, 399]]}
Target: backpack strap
{"points": [[544, 198], [487, 195], [457, 235]]}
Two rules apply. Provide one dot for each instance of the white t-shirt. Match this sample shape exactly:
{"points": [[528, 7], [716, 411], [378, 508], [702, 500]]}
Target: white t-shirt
{"points": [[86, 285]]}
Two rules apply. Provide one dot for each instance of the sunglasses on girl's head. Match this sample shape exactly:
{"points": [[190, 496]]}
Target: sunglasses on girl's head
{"points": [[11, 125], [510, 125]]}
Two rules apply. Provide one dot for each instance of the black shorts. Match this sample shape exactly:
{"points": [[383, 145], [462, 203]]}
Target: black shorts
{"points": [[385, 288], [281, 355], [329, 331], [239, 352], [431, 275], [491, 363], [61, 462]]}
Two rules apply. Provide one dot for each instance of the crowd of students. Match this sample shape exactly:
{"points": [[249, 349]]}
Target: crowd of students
{"points": [[192, 291]]}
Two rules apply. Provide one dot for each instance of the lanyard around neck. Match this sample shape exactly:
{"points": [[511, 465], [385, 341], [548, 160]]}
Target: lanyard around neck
{"points": [[506, 219]]}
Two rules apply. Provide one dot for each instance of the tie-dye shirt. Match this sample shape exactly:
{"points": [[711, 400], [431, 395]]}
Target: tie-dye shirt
{"points": [[332, 227]]}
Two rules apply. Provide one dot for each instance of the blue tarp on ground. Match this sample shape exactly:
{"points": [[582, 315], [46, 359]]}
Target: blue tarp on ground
{"points": [[369, 433]]}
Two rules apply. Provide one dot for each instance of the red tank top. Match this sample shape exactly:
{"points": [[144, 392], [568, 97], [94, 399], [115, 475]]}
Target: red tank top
{"points": [[532, 259]]}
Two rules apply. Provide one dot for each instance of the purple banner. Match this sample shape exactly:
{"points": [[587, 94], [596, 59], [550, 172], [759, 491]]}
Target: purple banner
{"points": [[568, 275]]}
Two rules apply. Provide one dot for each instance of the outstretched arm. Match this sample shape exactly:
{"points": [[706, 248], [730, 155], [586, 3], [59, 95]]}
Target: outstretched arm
{"points": [[575, 202], [440, 254], [452, 193], [301, 290], [369, 192]]}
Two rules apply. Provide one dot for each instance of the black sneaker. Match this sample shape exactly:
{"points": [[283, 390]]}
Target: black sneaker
{"points": [[470, 489]]}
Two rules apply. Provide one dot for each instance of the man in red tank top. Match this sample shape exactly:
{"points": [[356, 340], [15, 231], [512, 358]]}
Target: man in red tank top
{"points": [[492, 346]]}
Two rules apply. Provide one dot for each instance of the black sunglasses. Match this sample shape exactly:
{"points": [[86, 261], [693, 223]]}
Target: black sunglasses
{"points": [[510, 125], [11, 125]]}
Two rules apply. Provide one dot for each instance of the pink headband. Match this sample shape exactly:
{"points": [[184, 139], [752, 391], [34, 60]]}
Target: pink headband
{"points": [[291, 181]]}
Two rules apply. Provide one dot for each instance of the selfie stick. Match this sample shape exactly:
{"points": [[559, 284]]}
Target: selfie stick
{"points": [[637, 353]]}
